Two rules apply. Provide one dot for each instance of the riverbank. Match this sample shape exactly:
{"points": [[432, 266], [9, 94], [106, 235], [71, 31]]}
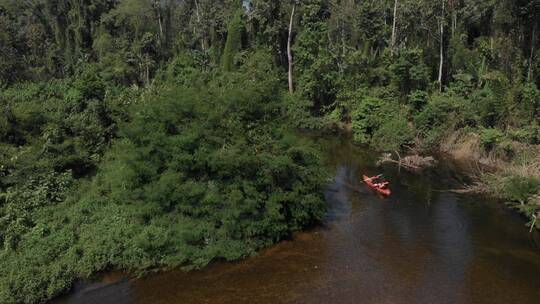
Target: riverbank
{"points": [[509, 171]]}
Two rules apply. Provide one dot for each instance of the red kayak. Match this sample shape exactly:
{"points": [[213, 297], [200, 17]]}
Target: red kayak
{"points": [[382, 188]]}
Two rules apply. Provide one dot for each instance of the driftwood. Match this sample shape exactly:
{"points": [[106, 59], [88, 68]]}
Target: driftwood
{"points": [[411, 162], [533, 223]]}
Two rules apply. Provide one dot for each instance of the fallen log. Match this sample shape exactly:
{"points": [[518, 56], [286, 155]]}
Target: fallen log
{"points": [[411, 162]]}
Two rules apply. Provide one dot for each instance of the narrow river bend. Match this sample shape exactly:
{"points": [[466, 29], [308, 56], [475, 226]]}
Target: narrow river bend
{"points": [[421, 245]]}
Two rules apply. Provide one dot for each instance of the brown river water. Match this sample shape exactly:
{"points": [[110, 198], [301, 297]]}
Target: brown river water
{"points": [[421, 245]]}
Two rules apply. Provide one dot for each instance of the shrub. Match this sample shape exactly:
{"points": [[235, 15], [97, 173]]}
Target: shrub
{"points": [[417, 99], [184, 68], [519, 188], [528, 134], [196, 175], [299, 113], [365, 120], [489, 138], [393, 132], [527, 104], [381, 124], [233, 44], [409, 71], [442, 115], [491, 101], [463, 85]]}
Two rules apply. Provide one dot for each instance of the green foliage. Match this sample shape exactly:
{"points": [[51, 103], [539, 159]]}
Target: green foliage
{"points": [[8, 51], [464, 60], [382, 124], [317, 76], [519, 188], [298, 109], [491, 101], [527, 104], [234, 41], [394, 131], [441, 115], [417, 99], [529, 134], [185, 100], [463, 85], [184, 69], [521, 192], [55, 132], [195, 175], [409, 71], [364, 119], [489, 138]]}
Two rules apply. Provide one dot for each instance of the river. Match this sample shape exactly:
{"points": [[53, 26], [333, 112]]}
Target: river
{"points": [[421, 245]]}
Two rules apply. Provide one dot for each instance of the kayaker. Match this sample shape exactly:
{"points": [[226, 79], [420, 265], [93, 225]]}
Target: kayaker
{"points": [[374, 177], [380, 185]]}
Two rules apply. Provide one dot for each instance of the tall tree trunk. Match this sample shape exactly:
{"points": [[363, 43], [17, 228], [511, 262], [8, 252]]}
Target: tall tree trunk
{"points": [[289, 51], [393, 39], [453, 6], [441, 44], [147, 74], [531, 55], [343, 39], [198, 14], [158, 9], [454, 23]]}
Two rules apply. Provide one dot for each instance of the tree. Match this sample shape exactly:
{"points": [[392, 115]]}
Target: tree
{"points": [[157, 7], [8, 52], [394, 21], [234, 40], [441, 45], [131, 30], [289, 51]]}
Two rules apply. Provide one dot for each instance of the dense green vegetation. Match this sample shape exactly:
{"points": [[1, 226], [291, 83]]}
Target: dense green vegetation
{"points": [[193, 174], [141, 134]]}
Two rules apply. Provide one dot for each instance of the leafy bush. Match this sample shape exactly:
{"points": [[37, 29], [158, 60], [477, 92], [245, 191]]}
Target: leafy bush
{"points": [[527, 105], [365, 120], [381, 124], [299, 113], [465, 62], [440, 115], [393, 132], [316, 71], [463, 85], [409, 71], [528, 134], [519, 188], [491, 101], [195, 175], [417, 99], [234, 41], [489, 138], [184, 69]]}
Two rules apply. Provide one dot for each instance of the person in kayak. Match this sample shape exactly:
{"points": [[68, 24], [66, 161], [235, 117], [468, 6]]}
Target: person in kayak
{"points": [[378, 184], [381, 184], [374, 178]]}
